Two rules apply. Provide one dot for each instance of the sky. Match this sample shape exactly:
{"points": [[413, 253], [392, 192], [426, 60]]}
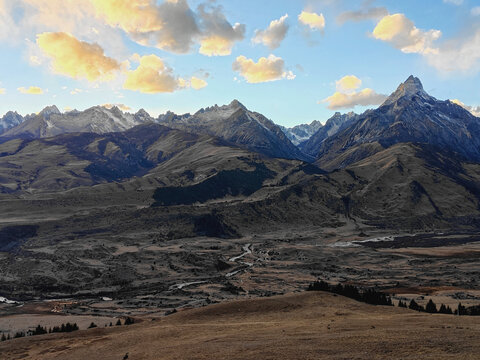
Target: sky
{"points": [[294, 61]]}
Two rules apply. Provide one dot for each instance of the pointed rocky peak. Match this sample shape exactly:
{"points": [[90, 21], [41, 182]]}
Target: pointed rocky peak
{"points": [[236, 104], [115, 110], [412, 86], [143, 113], [316, 123], [49, 110]]}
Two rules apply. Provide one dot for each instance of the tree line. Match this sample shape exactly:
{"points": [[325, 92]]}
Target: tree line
{"points": [[68, 327], [374, 297]]}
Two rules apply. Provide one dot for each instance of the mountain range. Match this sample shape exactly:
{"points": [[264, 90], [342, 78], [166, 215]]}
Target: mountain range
{"points": [[410, 152], [89, 197], [301, 133]]}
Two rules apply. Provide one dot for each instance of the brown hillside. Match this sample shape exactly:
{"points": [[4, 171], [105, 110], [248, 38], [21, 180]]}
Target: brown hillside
{"points": [[298, 326]]}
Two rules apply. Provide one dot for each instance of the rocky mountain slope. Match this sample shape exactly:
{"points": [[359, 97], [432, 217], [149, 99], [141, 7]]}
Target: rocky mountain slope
{"points": [[333, 125], [98, 119], [238, 125], [157, 154], [301, 133], [409, 115], [10, 120]]}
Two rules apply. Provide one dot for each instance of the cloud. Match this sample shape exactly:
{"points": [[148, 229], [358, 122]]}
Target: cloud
{"points": [[152, 76], [402, 33], [122, 107], [475, 11], [474, 110], [218, 35], [76, 91], [274, 34], [8, 27], [346, 96], [77, 59], [348, 83], [375, 13], [32, 90], [197, 83], [364, 97], [313, 20], [172, 25], [458, 54], [265, 70], [169, 26], [454, 2], [23, 19]]}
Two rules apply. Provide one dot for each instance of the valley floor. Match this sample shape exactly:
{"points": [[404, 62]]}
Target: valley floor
{"points": [[312, 325]]}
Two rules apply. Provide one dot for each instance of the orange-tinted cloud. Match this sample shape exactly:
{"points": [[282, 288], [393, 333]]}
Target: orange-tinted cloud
{"points": [[313, 20], [77, 59], [32, 90], [266, 69], [348, 83], [402, 33]]}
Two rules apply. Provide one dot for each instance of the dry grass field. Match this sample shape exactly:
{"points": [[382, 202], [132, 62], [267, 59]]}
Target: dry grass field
{"points": [[312, 325]]}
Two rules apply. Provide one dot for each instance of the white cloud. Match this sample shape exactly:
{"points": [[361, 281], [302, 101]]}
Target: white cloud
{"points": [[274, 34], [347, 96], [265, 70], [475, 11], [313, 20], [458, 54], [402, 33]]}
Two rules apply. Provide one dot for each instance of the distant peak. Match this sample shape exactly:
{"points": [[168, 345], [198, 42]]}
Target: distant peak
{"points": [[410, 87], [236, 104], [142, 112], [49, 110]]}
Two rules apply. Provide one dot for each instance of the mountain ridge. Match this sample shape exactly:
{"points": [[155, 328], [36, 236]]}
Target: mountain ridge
{"points": [[408, 115]]}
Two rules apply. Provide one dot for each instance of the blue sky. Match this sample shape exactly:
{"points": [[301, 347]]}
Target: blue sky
{"points": [[142, 54]]}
